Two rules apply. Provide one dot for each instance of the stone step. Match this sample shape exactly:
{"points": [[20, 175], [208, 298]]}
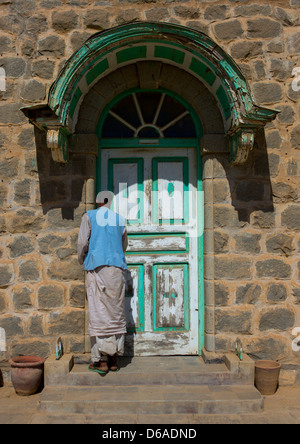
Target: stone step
{"points": [[164, 371], [153, 421], [151, 399]]}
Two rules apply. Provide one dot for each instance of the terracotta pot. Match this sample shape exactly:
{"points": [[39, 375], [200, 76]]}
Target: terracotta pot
{"points": [[26, 374], [267, 376]]}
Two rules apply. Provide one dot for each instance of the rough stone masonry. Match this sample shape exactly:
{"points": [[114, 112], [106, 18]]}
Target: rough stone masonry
{"points": [[252, 212]]}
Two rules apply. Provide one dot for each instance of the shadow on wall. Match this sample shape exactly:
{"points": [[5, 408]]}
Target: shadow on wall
{"points": [[250, 189], [61, 185]]}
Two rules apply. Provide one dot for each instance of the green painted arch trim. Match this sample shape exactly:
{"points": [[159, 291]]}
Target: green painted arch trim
{"points": [[191, 50]]}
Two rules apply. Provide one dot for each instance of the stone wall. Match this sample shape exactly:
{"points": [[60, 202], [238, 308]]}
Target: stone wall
{"points": [[252, 213]]}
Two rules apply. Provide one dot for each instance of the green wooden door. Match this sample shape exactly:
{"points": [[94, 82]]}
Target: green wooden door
{"points": [[156, 191]]}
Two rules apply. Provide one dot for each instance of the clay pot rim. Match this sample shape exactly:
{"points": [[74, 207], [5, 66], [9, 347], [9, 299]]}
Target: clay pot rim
{"points": [[26, 361], [267, 364]]}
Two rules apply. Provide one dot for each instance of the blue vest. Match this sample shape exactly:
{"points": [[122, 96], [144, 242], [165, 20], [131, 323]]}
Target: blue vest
{"points": [[105, 245]]}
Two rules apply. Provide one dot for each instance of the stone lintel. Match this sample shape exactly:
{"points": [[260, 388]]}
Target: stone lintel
{"points": [[214, 144], [84, 144]]}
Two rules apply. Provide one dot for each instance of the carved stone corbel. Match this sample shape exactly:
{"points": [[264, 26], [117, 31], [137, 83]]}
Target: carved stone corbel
{"points": [[242, 143], [57, 141]]}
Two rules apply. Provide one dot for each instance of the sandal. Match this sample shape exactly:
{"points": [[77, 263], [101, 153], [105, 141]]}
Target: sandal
{"points": [[113, 363], [102, 368]]}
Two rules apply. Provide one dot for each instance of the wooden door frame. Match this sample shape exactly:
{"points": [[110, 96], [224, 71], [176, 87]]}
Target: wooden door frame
{"points": [[167, 143]]}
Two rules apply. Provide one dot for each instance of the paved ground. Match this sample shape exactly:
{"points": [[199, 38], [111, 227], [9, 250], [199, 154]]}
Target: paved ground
{"points": [[281, 408]]}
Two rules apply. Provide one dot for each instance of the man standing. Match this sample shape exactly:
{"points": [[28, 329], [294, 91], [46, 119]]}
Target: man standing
{"points": [[102, 241]]}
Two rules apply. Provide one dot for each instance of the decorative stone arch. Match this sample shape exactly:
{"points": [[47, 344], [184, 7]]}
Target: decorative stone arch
{"points": [[181, 47], [153, 56]]}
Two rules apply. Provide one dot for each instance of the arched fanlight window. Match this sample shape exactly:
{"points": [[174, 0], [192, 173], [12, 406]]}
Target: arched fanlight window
{"points": [[148, 115]]}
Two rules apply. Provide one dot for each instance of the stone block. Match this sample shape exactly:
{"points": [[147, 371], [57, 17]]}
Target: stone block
{"points": [[63, 218], [65, 270], [281, 69], [36, 24], [212, 357], [244, 370], [63, 253], [10, 114], [22, 299], [233, 268], [276, 293], [277, 319], [248, 294], [43, 69], [33, 91], [263, 28], [22, 192], [272, 347], [229, 30], [198, 25], [263, 219], [287, 377], [275, 268], [226, 217], [245, 50], [31, 346], [295, 293], [52, 46], [3, 301], [221, 295], [216, 12], [129, 15], [233, 321], [12, 326], [221, 242], [6, 275], [50, 296], [15, 67], [29, 271], [275, 47], [290, 217], [97, 19], [12, 23], [221, 191], [293, 46], [295, 137], [247, 243], [252, 10], [55, 371], [64, 21], [288, 18], [5, 44], [187, 12], [36, 326], [66, 323], [280, 244], [78, 39], [273, 139], [157, 14], [26, 138], [267, 92], [77, 296], [4, 195], [50, 243]]}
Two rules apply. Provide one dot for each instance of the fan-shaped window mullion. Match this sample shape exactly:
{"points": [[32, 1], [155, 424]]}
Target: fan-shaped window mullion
{"points": [[159, 115]]}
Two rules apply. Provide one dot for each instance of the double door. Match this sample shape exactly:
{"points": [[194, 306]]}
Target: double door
{"points": [[156, 191]]}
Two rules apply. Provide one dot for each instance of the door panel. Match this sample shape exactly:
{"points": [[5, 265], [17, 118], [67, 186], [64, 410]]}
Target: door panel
{"points": [[157, 194]]}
